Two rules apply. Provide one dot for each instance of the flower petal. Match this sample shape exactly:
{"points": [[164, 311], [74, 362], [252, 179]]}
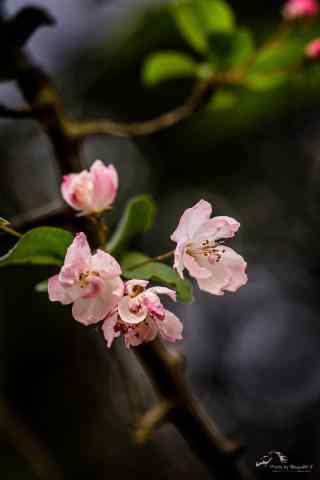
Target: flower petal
{"points": [[105, 185], [104, 263], [77, 260], [126, 314], [191, 220], [170, 327], [108, 330], [194, 268], [163, 291], [226, 274], [145, 332], [217, 228], [57, 292]]}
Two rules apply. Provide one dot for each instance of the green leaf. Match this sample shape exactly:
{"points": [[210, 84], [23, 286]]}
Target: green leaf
{"points": [[231, 49], [261, 82], [197, 19], [156, 272], [40, 246], [215, 15], [278, 57], [222, 100], [162, 66], [138, 217], [42, 287]]}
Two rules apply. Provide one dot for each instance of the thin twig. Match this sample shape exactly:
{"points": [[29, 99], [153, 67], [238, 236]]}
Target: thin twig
{"points": [[8, 112], [82, 129], [10, 230], [158, 258]]}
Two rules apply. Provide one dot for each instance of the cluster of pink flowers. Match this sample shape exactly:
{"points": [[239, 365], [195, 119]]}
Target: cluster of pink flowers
{"points": [[92, 283], [295, 9]]}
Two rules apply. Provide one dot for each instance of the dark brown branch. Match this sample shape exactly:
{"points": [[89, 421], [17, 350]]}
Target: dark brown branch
{"points": [[27, 445], [166, 371], [43, 99], [8, 112]]}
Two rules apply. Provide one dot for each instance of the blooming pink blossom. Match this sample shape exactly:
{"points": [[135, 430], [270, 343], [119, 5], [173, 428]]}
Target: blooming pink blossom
{"points": [[140, 316], [215, 266], [313, 49], [294, 9], [91, 282], [91, 191]]}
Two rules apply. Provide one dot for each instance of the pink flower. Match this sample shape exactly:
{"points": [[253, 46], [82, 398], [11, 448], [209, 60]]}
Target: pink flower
{"points": [[313, 49], [93, 191], [91, 282], [140, 316], [199, 249], [294, 9]]}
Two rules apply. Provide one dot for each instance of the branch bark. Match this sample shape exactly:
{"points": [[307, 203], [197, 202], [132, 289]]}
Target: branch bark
{"points": [[166, 371]]}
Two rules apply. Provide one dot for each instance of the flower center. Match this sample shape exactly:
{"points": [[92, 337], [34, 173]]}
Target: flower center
{"points": [[207, 248], [83, 278]]}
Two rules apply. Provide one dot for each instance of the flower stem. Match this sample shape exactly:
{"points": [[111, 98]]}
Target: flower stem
{"points": [[158, 258], [10, 230]]}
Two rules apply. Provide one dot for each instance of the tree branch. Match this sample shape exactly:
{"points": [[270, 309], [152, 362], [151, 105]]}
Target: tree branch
{"points": [[166, 370], [8, 112], [82, 129]]}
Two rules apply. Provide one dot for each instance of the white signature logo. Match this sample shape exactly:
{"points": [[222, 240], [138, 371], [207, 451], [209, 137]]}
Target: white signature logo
{"points": [[272, 456]]}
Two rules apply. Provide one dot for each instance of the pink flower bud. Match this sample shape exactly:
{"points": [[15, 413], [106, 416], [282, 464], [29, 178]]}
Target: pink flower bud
{"points": [[91, 191], [313, 49], [294, 9]]}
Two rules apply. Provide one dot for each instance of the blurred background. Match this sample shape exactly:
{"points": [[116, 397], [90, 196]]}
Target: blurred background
{"points": [[254, 356]]}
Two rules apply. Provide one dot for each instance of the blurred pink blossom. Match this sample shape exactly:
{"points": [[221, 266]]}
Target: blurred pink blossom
{"points": [[294, 9], [91, 191], [215, 266], [91, 282], [313, 49], [140, 316]]}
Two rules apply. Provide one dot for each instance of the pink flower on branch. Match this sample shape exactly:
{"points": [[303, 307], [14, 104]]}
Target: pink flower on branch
{"points": [[294, 9], [140, 316], [91, 191], [313, 49], [201, 251], [91, 282]]}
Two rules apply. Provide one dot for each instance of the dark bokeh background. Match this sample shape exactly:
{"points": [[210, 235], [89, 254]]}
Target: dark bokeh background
{"points": [[253, 357]]}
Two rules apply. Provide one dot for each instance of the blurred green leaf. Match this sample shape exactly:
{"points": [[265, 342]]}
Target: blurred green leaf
{"points": [[138, 217], [162, 66], [40, 246], [222, 100], [214, 15], [261, 82], [197, 19], [42, 287], [231, 49], [278, 57], [156, 272]]}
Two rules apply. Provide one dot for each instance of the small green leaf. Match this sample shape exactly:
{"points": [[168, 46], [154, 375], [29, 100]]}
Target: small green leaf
{"points": [[42, 287], [278, 57], [162, 66], [222, 100], [215, 15], [40, 246], [138, 217], [156, 272], [197, 19], [261, 82], [189, 25], [231, 49]]}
